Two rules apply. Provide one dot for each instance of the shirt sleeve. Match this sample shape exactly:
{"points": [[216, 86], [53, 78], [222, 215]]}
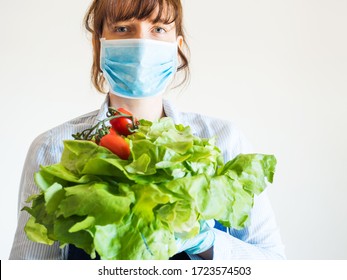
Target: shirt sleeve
{"points": [[41, 152]]}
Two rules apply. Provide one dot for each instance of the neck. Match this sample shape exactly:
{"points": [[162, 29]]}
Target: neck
{"points": [[149, 108]]}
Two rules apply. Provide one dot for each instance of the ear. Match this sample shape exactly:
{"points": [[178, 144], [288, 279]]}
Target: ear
{"points": [[179, 41]]}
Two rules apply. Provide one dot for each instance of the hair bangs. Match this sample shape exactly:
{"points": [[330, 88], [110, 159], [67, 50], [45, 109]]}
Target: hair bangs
{"points": [[159, 10]]}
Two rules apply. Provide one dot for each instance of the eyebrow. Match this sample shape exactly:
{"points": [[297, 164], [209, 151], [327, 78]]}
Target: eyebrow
{"points": [[164, 22], [132, 20]]}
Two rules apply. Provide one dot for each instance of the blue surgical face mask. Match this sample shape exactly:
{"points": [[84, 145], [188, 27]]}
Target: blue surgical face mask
{"points": [[138, 68]]}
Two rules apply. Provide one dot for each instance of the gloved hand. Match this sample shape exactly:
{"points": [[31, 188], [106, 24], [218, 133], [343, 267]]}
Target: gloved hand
{"points": [[201, 242]]}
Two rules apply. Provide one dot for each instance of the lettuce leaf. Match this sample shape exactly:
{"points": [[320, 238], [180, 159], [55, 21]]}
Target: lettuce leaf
{"points": [[136, 208]]}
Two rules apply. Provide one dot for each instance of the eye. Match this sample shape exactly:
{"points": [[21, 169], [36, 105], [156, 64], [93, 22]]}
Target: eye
{"points": [[121, 29], [159, 29]]}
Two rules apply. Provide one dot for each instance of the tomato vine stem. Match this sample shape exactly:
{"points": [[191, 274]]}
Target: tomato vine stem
{"points": [[101, 129]]}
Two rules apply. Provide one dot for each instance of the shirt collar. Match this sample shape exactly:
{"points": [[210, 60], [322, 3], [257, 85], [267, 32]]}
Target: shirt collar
{"points": [[178, 117], [171, 111], [103, 110]]}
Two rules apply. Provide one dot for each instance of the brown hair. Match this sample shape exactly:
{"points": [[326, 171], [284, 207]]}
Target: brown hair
{"points": [[109, 11]]}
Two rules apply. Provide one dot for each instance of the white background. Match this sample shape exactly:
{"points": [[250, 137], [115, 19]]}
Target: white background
{"points": [[276, 68]]}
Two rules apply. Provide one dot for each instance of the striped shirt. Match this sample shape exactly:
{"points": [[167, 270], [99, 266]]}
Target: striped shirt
{"points": [[260, 240]]}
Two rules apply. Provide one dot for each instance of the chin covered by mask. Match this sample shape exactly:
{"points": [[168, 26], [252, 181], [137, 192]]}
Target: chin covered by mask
{"points": [[138, 68]]}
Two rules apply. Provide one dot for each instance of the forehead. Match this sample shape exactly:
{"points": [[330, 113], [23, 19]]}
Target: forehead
{"points": [[153, 10]]}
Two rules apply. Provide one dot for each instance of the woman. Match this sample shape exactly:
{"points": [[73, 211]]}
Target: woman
{"points": [[127, 36]]}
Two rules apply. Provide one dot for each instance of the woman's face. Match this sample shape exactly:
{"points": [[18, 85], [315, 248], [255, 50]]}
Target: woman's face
{"points": [[141, 29]]}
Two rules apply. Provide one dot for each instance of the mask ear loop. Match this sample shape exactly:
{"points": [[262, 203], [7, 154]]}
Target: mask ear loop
{"points": [[179, 67]]}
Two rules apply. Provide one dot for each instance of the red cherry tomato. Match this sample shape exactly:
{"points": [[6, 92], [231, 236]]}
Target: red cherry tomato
{"points": [[121, 125], [112, 131], [116, 144]]}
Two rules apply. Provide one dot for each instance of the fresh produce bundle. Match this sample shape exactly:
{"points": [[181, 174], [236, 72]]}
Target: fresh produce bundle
{"points": [[127, 189]]}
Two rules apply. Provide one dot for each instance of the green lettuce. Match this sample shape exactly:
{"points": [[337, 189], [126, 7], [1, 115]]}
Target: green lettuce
{"points": [[136, 208]]}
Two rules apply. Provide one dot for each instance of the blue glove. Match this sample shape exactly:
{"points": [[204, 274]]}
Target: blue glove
{"points": [[199, 243]]}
